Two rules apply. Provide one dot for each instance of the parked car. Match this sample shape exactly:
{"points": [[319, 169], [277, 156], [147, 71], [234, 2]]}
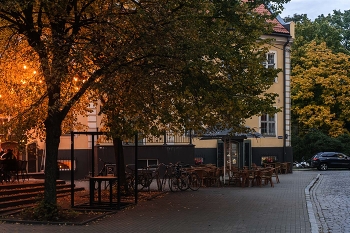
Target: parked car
{"points": [[63, 166], [303, 164], [325, 160]]}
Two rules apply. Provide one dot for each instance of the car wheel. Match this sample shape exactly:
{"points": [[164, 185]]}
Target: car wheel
{"points": [[323, 167]]}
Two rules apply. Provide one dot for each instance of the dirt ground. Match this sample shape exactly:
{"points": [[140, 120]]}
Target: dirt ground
{"points": [[82, 215]]}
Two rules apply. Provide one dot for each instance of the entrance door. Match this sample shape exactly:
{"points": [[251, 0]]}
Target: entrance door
{"points": [[247, 153], [231, 154]]}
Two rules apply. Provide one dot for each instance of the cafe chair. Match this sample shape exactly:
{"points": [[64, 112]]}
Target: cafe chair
{"points": [[284, 168], [267, 177], [234, 177], [217, 177], [275, 174]]}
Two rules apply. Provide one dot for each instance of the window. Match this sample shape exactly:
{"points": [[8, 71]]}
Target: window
{"points": [[143, 163], [65, 164], [271, 61], [268, 125]]}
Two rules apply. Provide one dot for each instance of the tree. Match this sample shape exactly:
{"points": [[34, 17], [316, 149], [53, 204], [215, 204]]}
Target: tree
{"points": [[320, 82], [296, 18], [74, 45], [223, 76], [325, 37], [341, 21], [320, 90], [315, 141], [218, 80], [332, 29]]}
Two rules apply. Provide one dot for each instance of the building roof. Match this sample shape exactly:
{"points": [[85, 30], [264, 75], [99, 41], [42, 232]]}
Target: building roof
{"points": [[279, 25]]}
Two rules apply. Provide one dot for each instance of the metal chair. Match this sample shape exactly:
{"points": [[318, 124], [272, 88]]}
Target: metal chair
{"points": [[23, 169]]}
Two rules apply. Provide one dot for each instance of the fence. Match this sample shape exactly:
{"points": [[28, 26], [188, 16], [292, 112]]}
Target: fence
{"points": [[166, 139]]}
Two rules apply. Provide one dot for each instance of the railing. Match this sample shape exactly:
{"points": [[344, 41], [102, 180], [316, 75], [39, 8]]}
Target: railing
{"points": [[166, 139]]}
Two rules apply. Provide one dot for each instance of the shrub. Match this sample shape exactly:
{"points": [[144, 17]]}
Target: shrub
{"points": [[43, 211]]}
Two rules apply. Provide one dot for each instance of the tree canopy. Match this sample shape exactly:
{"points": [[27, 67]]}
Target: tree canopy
{"points": [[320, 77], [320, 90], [332, 29], [213, 80]]}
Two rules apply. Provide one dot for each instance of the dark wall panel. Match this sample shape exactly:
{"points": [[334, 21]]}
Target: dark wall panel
{"points": [[105, 154], [209, 155], [258, 152]]}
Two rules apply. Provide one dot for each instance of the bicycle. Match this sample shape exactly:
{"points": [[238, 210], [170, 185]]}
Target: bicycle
{"points": [[194, 181], [178, 180], [145, 176], [182, 179]]}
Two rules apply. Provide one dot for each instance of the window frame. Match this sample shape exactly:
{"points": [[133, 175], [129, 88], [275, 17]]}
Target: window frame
{"points": [[268, 122], [274, 64]]}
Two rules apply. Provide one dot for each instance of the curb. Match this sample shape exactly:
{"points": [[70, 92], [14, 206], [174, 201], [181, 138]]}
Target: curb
{"points": [[312, 217]]}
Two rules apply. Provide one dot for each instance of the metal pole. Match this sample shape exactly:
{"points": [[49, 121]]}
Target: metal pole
{"points": [[164, 138], [224, 160], [136, 167], [120, 145], [72, 168], [92, 156], [191, 137]]}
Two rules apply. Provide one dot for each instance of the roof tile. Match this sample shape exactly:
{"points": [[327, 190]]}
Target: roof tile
{"points": [[278, 27]]}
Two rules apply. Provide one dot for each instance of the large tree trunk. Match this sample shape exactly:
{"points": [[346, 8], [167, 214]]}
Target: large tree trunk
{"points": [[119, 159], [53, 133]]}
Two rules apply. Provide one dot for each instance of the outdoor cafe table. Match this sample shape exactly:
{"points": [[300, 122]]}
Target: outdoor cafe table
{"points": [[99, 180]]}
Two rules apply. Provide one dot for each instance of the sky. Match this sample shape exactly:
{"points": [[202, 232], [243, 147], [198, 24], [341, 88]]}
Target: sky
{"points": [[314, 8]]}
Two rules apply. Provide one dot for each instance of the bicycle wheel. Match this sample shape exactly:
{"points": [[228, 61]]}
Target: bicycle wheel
{"points": [[183, 182], [194, 182], [145, 180], [130, 183], [173, 184], [163, 182]]}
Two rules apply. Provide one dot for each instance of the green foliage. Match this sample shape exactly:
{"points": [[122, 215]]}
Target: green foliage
{"points": [[320, 84], [43, 211], [296, 18], [315, 141], [320, 73], [210, 77], [332, 29], [320, 89]]}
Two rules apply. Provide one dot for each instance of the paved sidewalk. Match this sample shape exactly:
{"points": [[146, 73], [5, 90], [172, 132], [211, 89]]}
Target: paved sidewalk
{"points": [[229, 209]]}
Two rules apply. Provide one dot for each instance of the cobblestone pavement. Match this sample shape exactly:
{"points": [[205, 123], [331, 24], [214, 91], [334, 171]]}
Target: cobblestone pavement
{"points": [[331, 201], [283, 208]]}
